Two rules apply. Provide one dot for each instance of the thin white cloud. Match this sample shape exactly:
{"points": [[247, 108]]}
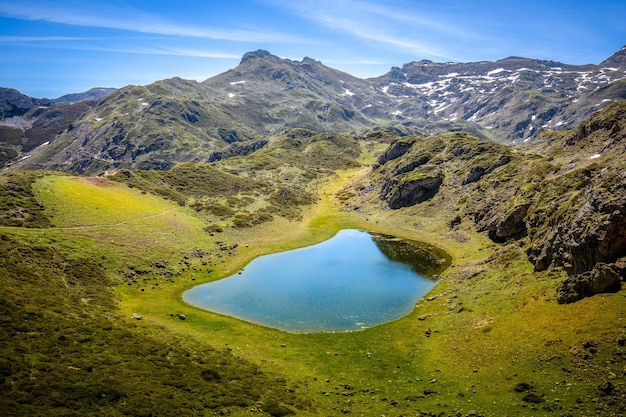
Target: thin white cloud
{"points": [[420, 20], [19, 39], [192, 53], [134, 50], [131, 20], [355, 62], [404, 30], [75, 43]]}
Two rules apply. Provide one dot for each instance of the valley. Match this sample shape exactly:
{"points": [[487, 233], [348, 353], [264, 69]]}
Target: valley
{"points": [[490, 339], [152, 190]]}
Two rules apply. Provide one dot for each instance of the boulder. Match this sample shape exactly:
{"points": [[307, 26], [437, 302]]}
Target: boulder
{"points": [[602, 279], [606, 388]]}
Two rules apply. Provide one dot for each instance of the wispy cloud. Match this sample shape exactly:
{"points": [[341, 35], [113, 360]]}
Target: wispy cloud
{"points": [[394, 26], [19, 39], [355, 62], [181, 52], [421, 21], [70, 43], [130, 19]]}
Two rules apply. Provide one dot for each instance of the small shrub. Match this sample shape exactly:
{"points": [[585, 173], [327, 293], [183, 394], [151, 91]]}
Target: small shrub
{"points": [[213, 228], [219, 210]]}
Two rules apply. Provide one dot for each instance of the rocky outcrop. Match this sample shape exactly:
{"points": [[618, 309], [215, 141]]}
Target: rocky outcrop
{"points": [[396, 150], [599, 121], [566, 206], [259, 53], [13, 103], [412, 192], [594, 233], [602, 279], [238, 149], [502, 228], [477, 172]]}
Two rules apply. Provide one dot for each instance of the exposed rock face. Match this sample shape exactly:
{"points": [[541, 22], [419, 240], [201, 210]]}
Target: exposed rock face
{"points": [[396, 150], [510, 226], [477, 172], [259, 53], [568, 202], [413, 170], [237, 149], [596, 232], [603, 278], [412, 192], [13, 103]]}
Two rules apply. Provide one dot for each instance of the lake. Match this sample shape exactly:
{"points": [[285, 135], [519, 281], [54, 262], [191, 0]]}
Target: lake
{"points": [[355, 280]]}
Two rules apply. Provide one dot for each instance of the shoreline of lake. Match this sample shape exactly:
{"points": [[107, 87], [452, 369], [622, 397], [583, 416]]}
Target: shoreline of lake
{"points": [[363, 279]]}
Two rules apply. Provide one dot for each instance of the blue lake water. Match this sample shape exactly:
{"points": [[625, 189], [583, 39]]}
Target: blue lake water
{"points": [[349, 282]]}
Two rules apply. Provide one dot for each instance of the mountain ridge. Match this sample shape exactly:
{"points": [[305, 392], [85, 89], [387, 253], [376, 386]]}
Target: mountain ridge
{"points": [[511, 100]]}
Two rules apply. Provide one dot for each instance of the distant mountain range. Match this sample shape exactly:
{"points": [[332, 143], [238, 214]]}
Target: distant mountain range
{"points": [[156, 126]]}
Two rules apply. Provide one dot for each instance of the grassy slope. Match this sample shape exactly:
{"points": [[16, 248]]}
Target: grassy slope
{"points": [[70, 350], [493, 322]]}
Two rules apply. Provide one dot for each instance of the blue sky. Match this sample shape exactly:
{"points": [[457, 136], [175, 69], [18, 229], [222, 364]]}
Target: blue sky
{"points": [[51, 48]]}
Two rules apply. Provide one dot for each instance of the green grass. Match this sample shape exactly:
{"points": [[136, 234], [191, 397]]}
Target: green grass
{"points": [[493, 322], [66, 352]]}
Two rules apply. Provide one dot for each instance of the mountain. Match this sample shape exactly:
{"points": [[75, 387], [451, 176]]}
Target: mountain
{"points": [[13, 103], [91, 94], [514, 98], [27, 123], [156, 126], [176, 120]]}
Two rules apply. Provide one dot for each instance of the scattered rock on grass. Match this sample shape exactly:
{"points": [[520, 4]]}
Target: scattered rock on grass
{"points": [[533, 398], [523, 387], [606, 388]]}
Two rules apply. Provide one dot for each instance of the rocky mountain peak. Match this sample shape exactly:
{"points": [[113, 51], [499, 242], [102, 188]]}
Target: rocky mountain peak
{"points": [[307, 60], [259, 53], [13, 103]]}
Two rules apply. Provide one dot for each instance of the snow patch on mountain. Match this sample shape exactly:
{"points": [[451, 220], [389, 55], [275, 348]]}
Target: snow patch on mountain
{"points": [[495, 71]]}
